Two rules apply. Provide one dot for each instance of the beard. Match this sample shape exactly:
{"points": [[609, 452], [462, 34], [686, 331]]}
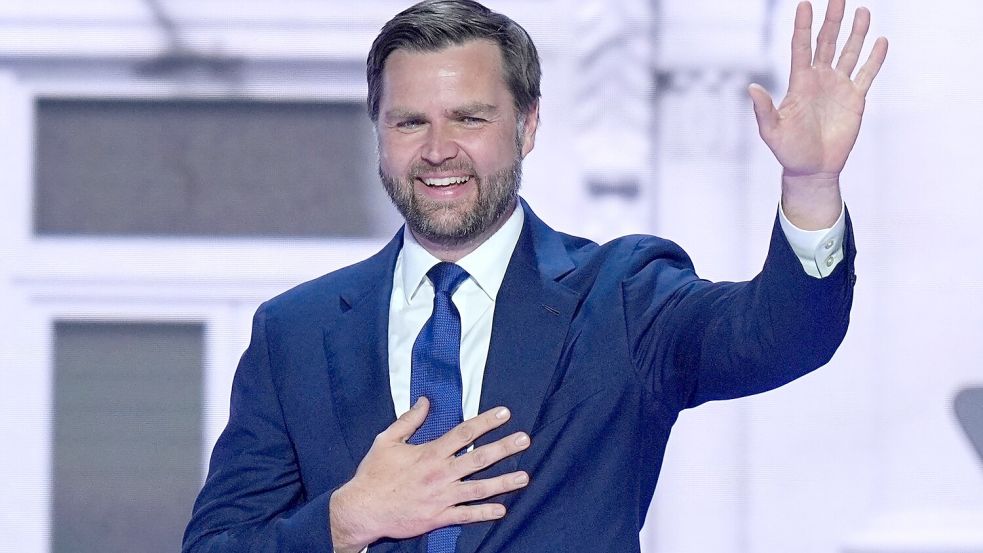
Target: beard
{"points": [[454, 224]]}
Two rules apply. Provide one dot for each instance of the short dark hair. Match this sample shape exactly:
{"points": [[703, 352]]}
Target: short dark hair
{"points": [[433, 25]]}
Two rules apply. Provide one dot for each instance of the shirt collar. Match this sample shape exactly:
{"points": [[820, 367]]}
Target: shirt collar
{"points": [[486, 264]]}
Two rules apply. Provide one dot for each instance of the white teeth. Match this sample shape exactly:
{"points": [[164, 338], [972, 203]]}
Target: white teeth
{"points": [[446, 181]]}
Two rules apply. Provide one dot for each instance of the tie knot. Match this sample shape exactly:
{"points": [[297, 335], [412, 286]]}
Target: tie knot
{"points": [[446, 277]]}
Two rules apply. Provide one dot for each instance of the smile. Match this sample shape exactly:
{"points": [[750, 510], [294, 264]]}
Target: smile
{"points": [[445, 181]]}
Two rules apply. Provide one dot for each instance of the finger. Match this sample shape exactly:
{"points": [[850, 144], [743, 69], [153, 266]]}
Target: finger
{"points": [[474, 490], [408, 422], [487, 455], [826, 40], [867, 73], [464, 434], [764, 109], [851, 50], [468, 514], [802, 37]]}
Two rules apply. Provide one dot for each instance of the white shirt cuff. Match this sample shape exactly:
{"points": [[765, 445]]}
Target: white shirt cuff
{"points": [[819, 251]]}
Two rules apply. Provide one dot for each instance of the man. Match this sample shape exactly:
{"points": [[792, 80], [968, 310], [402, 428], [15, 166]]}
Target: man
{"points": [[578, 357]]}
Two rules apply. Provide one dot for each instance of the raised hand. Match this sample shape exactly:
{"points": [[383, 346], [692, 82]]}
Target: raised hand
{"points": [[816, 125], [402, 490]]}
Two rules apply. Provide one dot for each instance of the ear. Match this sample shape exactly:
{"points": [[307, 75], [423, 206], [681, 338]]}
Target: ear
{"points": [[529, 129]]}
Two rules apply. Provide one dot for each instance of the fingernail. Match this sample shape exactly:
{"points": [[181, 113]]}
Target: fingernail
{"points": [[521, 479], [417, 404], [522, 440], [498, 511], [502, 414]]}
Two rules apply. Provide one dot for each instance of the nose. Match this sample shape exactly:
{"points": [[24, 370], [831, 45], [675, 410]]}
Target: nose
{"points": [[440, 146]]}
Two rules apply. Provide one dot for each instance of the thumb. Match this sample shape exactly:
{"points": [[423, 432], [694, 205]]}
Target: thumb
{"points": [[410, 421], [764, 109]]}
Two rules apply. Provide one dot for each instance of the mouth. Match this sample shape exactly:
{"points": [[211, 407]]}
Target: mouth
{"points": [[444, 182]]}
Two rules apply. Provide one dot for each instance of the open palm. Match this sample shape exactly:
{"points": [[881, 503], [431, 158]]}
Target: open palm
{"points": [[816, 125]]}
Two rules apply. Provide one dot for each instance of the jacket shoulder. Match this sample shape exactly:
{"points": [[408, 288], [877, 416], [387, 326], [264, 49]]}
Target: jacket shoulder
{"points": [[630, 253], [331, 293]]}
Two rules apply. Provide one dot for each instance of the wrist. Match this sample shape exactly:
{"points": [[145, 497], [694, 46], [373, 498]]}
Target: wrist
{"points": [[348, 532], [811, 201]]}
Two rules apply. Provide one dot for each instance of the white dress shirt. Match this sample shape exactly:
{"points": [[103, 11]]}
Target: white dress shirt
{"points": [[411, 303]]}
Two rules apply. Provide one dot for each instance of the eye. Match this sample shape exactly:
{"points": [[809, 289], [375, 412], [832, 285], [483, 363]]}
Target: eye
{"points": [[410, 124], [471, 121]]}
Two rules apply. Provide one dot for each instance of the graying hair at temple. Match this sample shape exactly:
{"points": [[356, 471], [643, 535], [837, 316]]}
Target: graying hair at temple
{"points": [[433, 25]]}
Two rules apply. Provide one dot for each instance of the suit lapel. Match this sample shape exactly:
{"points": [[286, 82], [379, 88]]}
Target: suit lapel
{"points": [[532, 315], [357, 351], [356, 348]]}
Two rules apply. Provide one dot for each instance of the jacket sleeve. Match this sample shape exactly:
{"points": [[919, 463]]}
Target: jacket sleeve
{"points": [[253, 498], [701, 341]]}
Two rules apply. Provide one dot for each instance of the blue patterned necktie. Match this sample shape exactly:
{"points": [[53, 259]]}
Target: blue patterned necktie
{"points": [[436, 374]]}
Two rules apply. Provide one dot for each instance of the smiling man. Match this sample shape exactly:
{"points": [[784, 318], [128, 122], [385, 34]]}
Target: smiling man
{"points": [[451, 143], [485, 383]]}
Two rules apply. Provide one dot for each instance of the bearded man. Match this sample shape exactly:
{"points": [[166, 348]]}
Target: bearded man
{"points": [[485, 383]]}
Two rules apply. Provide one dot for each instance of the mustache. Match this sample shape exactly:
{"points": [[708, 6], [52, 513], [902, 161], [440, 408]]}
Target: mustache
{"points": [[448, 166]]}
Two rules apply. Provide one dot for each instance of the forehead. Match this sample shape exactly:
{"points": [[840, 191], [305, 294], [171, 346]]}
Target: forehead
{"points": [[473, 69]]}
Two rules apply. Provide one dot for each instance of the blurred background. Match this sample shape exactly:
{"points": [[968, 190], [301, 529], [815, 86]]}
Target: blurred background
{"points": [[166, 165]]}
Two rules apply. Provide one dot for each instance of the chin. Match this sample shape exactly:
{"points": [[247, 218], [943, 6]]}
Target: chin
{"points": [[446, 234]]}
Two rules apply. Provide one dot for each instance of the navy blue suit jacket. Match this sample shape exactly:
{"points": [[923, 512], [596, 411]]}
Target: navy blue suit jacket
{"points": [[595, 349]]}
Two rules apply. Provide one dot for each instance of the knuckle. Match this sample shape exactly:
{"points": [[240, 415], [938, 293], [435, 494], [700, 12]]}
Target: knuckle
{"points": [[465, 515], [476, 491], [427, 452], [479, 459], [493, 511], [464, 433], [496, 453], [506, 484]]}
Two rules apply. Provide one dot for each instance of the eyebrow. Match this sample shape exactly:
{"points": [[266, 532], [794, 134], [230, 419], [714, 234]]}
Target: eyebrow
{"points": [[466, 110], [402, 114], [474, 109]]}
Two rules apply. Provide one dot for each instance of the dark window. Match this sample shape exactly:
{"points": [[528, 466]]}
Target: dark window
{"points": [[207, 168], [127, 435]]}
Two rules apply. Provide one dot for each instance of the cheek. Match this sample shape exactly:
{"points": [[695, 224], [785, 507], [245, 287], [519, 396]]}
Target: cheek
{"points": [[491, 152], [395, 155]]}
